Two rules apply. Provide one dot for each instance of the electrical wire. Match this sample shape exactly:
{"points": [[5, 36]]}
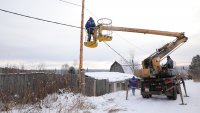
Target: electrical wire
{"points": [[131, 44], [39, 19], [96, 18], [119, 55], [64, 24], [104, 42], [79, 6], [70, 3]]}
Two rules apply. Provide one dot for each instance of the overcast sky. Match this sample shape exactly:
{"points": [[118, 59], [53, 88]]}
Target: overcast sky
{"points": [[25, 41]]}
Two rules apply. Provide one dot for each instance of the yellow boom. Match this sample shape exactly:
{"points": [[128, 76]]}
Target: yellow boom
{"points": [[151, 65]]}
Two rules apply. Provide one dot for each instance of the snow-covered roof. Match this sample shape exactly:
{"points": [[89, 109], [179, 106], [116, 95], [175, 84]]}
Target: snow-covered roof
{"points": [[111, 76], [127, 68]]}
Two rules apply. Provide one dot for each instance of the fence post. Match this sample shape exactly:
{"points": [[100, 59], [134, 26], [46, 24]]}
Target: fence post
{"points": [[94, 87]]}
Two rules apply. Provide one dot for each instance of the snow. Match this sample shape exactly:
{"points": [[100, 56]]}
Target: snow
{"points": [[116, 102], [111, 76]]}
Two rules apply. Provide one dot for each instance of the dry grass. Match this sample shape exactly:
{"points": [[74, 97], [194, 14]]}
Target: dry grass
{"points": [[196, 78], [115, 109], [79, 103], [30, 95]]}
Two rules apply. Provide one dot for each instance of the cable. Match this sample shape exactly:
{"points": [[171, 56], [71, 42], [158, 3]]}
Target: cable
{"points": [[39, 19], [119, 55], [97, 18], [79, 6], [130, 43], [70, 3]]}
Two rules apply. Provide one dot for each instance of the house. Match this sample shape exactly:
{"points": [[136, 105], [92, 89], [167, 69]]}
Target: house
{"points": [[116, 67], [100, 83], [122, 68]]}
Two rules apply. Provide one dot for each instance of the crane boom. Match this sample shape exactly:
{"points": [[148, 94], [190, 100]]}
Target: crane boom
{"points": [[145, 31], [156, 79], [151, 65]]}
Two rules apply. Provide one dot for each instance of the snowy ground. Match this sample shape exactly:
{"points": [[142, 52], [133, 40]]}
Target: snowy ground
{"points": [[116, 102]]}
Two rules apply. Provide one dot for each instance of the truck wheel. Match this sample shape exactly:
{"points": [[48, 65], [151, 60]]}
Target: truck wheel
{"points": [[144, 96], [174, 95], [177, 89], [147, 96]]}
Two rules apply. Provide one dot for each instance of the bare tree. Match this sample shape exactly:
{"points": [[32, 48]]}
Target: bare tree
{"points": [[132, 61], [75, 64], [41, 67], [64, 69]]}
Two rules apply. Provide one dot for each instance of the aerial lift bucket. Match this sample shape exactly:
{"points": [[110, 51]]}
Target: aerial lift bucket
{"points": [[104, 38], [92, 43], [107, 35]]}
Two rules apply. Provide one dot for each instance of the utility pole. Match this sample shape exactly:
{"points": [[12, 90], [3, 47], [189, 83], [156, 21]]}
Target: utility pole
{"points": [[81, 73]]}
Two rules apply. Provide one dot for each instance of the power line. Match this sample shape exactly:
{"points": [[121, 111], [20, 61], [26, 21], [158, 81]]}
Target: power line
{"points": [[118, 54], [97, 18], [39, 19], [130, 43], [79, 6], [70, 3]]}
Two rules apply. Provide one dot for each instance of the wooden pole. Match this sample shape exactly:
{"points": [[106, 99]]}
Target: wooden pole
{"points": [[81, 50]]}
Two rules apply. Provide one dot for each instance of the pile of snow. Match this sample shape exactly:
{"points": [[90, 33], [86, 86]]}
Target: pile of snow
{"points": [[57, 103], [116, 102], [111, 76]]}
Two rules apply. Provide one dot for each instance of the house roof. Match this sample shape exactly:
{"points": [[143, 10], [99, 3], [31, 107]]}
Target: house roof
{"points": [[111, 76], [126, 68]]}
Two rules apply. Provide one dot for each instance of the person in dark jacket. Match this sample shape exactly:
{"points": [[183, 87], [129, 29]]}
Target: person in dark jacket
{"points": [[170, 63], [133, 84], [90, 25]]}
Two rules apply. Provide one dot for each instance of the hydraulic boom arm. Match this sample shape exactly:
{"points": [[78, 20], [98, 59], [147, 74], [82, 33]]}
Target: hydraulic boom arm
{"points": [[152, 63], [145, 31]]}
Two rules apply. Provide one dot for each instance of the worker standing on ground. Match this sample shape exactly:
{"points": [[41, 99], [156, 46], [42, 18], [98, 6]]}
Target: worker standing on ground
{"points": [[170, 63], [133, 84], [89, 26]]}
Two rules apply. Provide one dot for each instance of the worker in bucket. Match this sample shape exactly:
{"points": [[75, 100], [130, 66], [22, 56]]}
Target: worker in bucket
{"points": [[89, 26], [133, 84]]}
